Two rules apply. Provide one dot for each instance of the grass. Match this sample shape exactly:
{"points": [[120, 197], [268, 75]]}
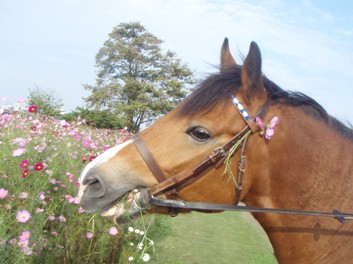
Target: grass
{"points": [[211, 238]]}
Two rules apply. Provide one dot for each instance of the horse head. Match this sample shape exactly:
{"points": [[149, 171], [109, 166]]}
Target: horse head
{"points": [[181, 140]]}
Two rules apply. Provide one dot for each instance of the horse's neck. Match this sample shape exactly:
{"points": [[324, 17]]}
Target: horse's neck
{"points": [[308, 167]]}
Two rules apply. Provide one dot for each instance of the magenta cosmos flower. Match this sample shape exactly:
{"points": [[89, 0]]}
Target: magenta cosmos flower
{"points": [[32, 109], [24, 164], [38, 166], [3, 193], [23, 216]]}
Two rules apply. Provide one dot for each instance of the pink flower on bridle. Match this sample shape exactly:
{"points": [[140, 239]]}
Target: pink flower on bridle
{"points": [[267, 130]]}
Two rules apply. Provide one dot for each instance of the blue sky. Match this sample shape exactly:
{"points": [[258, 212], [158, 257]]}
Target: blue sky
{"points": [[306, 45]]}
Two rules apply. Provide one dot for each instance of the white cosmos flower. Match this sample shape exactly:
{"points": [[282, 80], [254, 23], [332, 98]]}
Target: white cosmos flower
{"points": [[146, 257]]}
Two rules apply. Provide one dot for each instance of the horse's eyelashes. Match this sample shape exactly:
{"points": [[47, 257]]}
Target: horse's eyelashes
{"points": [[199, 134]]}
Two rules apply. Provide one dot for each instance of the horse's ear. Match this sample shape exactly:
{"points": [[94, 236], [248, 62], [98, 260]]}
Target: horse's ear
{"points": [[251, 73], [227, 59]]}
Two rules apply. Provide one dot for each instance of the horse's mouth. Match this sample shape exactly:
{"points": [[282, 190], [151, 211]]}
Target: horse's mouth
{"points": [[131, 205]]}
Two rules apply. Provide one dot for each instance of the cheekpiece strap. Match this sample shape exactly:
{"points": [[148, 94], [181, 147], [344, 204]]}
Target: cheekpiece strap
{"points": [[244, 114]]}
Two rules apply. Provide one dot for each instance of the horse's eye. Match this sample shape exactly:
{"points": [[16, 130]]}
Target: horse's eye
{"points": [[199, 134]]}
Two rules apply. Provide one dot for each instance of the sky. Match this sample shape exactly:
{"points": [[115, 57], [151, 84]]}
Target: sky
{"points": [[306, 45]]}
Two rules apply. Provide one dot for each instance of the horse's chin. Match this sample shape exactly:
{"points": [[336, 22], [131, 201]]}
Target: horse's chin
{"points": [[136, 202]]}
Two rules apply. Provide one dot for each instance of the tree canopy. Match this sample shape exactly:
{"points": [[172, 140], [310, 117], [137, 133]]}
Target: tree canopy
{"points": [[48, 101], [136, 81]]}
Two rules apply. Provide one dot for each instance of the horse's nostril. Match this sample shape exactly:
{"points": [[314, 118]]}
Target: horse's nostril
{"points": [[95, 186]]}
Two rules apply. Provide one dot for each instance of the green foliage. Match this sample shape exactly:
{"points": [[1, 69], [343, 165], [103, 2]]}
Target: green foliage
{"points": [[48, 101], [136, 80], [58, 226], [98, 118]]}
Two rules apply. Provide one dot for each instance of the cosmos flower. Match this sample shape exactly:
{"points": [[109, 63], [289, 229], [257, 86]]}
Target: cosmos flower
{"points": [[89, 235], [25, 236], [62, 218], [146, 257], [18, 152], [3, 193], [32, 109], [24, 174], [113, 231], [23, 216], [38, 166], [23, 195], [24, 164]]}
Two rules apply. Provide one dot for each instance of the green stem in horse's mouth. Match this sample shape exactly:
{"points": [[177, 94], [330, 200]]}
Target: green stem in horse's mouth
{"points": [[228, 159]]}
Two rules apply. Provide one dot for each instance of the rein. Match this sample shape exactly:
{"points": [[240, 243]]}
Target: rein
{"points": [[172, 185]]}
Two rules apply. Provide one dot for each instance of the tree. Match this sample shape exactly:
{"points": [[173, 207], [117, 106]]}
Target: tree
{"points": [[98, 118], [137, 81], [48, 101]]}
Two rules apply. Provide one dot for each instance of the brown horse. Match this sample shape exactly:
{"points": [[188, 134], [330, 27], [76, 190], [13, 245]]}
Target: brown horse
{"points": [[302, 163]]}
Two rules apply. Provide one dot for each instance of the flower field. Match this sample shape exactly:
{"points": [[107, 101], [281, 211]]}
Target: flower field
{"points": [[40, 220]]}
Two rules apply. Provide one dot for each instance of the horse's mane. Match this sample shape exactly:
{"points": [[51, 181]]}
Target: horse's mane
{"points": [[219, 86]]}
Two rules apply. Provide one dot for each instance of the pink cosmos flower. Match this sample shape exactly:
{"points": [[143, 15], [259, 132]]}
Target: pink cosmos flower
{"points": [[23, 216], [41, 196], [270, 129], [63, 123], [62, 218], [87, 142], [21, 142], [18, 152], [89, 235], [113, 231], [25, 236], [77, 137], [23, 243], [69, 198], [27, 250], [54, 233], [39, 210], [51, 217], [259, 123], [41, 148], [13, 241], [23, 195], [3, 193], [76, 200]]}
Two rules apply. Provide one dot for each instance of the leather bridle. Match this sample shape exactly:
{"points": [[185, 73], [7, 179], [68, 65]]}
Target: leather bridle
{"points": [[172, 185]]}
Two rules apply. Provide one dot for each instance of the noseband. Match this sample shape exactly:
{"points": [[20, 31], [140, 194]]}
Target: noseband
{"points": [[172, 185]]}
